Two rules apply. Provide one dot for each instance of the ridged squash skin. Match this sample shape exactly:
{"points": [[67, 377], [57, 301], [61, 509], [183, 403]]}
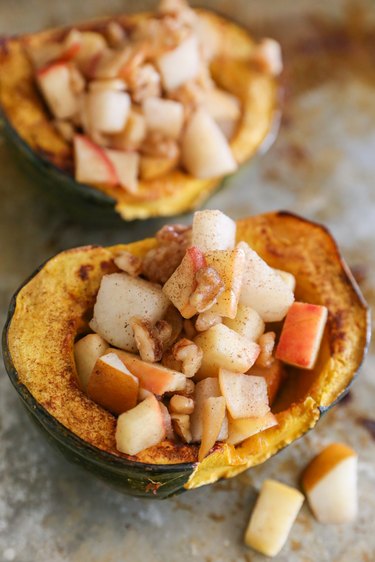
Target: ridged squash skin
{"points": [[29, 125], [38, 353]]}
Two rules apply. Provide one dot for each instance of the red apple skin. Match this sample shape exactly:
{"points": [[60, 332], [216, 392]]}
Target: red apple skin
{"points": [[49, 68], [197, 258], [98, 152], [302, 334], [70, 52]]}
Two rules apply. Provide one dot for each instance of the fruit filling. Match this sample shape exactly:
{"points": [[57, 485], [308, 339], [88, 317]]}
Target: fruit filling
{"points": [[189, 342], [137, 103]]}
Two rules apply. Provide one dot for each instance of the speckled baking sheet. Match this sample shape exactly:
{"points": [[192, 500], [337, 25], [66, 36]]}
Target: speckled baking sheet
{"points": [[322, 165]]}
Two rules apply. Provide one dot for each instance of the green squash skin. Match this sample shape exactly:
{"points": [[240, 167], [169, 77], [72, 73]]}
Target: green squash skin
{"points": [[132, 478]]}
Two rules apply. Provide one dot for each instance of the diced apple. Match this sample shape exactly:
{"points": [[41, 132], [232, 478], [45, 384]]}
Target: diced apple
{"points": [[246, 396], [131, 137], [230, 265], [224, 108], [302, 334], [205, 150], [153, 167], [243, 428], [288, 278], [225, 348], [247, 322], [273, 516], [143, 394], [181, 64], [263, 289], [152, 376], [181, 425], [108, 110], [206, 388], [112, 385], [164, 116], [181, 404], [111, 84], [206, 320], [182, 283], [212, 230], [273, 376], [92, 165], [55, 84], [213, 416], [330, 483], [126, 165], [141, 427], [169, 433], [86, 352], [92, 44], [120, 297]]}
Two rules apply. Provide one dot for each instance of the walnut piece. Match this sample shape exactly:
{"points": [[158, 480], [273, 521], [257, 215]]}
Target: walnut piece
{"points": [[158, 145], [266, 343], [209, 288], [190, 356], [147, 339], [129, 263], [206, 320], [181, 404], [144, 82], [189, 328]]}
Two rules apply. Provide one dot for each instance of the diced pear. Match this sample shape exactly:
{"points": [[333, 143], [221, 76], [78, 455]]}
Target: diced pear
{"points": [[206, 388], [181, 64], [86, 352], [141, 427], [330, 484], [224, 108], [225, 348], [131, 137], [273, 516], [273, 375], [213, 416], [263, 289], [108, 110], [212, 230], [243, 428], [302, 334], [112, 385], [288, 278], [120, 297], [245, 395], [247, 322], [164, 116]]}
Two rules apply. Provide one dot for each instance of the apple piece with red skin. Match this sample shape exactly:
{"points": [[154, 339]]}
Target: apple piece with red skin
{"points": [[169, 433], [224, 348], [273, 375], [87, 351], [54, 81], [112, 385], [204, 389], [213, 230], [302, 334], [245, 395], [126, 165], [182, 282], [243, 428], [212, 420], [152, 376], [92, 164], [141, 427]]}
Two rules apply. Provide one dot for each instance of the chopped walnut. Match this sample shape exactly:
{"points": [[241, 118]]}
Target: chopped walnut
{"points": [[190, 94], [189, 388], [206, 320], [161, 34], [158, 145], [115, 34], [173, 317], [147, 340], [189, 328], [164, 331], [129, 263], [168, 360], [190, 356], [181, 404], [266, 343], [174, 233], [181, 425], [144, 82], [209, 288], [159, 263]]}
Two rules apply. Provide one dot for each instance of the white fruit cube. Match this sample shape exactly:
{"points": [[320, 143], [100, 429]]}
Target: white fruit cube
{"points": [[224, 108], [243, 428], [164, 116], [247, 322], [245, 395], [108, 110], [205, 151], [230, 265], [181, 64], [273, 516], [131, 137], [56, 86], [86, 352], [330, 483], [126, 165], [206, 388], [212, 230], [263, 289], [288, 278], [302, 334], [120, 297], [92, 164], [141, 427], [225, 348], [212, 421]]}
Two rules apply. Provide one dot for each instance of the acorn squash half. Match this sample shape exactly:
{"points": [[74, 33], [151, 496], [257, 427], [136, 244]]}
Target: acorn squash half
{"points": [[29, 125], [54, 306]]}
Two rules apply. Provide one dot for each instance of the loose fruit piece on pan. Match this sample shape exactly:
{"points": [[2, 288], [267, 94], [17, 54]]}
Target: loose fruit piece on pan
{"points": [[273, 376], [243, 428], [263, 289], [247, 322], [86, 352], [273, 516], [330, 484], [206, 388], [302, 334], [55, 82], [141, 427], [212, 230], [112, 385], [120, 297], [152, 376], [245, 395], [212, 421]]}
